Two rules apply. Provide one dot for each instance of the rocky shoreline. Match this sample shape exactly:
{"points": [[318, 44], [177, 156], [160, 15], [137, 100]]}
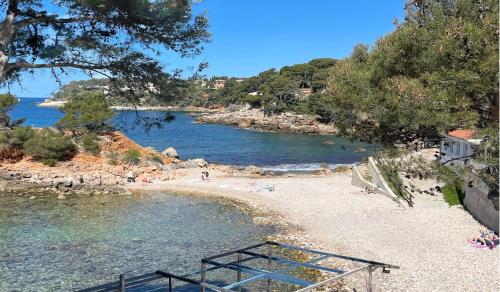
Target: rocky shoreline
{"points": [[256, 119], [59, 103], [242, 117], [89, 174]]}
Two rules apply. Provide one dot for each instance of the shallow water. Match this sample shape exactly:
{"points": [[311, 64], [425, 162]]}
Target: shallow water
{"points": [[59, 245], [221, 143]]}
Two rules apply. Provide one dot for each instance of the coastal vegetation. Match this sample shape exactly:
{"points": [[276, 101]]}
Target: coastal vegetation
{"points": [[453, 195], [87, 111], [437, 71], [132, 156], [90, 143], [49, 146]]}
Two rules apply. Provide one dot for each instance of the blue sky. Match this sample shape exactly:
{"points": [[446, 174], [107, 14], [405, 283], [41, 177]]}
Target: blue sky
{"points": [[252, 36]]}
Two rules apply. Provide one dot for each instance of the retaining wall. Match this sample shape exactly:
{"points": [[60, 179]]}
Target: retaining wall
{"points": [[378, 179], [481, 207], [359, 181]]}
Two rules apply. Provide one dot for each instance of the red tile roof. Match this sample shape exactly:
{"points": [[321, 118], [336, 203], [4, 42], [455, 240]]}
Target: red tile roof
{"points": [[462, 134]]}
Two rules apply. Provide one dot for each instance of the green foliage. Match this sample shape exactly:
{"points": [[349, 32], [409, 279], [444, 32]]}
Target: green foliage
{"points": [[132, 156], [86, 110], [436, 72], [48, 145], [390, 173], [155, 158], [119, 38], [91, 144], [15, 138], [49, 161], [446, 174], [7, 102], [453, 195]]}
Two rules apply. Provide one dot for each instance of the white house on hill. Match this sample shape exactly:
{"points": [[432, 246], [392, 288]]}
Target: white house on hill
{"points": [[458, 147]]}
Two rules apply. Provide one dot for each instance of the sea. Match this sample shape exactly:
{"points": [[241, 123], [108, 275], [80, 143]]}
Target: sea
{"points": [[221, 144]]}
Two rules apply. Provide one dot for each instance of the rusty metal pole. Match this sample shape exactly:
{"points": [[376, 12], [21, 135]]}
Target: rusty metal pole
{"points": [[238, 273], [202, 273], [269, 254], [369, 284], [122, 283]]}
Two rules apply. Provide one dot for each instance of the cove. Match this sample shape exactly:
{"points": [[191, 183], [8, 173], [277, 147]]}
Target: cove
{"points": [[221, 143]]}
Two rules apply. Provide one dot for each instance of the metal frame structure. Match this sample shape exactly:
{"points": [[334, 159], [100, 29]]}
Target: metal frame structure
{"points": [[240, 267]]}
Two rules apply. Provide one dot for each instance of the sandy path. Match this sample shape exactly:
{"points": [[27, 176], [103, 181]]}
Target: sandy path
{"points": [[427, 241]]}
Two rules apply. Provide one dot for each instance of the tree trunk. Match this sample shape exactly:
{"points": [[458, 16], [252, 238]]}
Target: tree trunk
{"points": [[7, 30]]}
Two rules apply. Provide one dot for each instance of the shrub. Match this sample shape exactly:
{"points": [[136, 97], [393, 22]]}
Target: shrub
{"points": [[86, 110], [16, 137], [453, 195], [91, 144], [49, 161], [132, 156], [155, 158], [112, 158], [7, 102], [49, 146]]}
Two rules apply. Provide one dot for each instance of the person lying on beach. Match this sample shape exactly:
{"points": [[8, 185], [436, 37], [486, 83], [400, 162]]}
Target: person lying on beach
{"points": [[486, 238]]}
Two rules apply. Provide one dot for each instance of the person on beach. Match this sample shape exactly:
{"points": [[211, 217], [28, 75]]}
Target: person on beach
{"points": [[204, 175], [130, 177], [486, 237]]}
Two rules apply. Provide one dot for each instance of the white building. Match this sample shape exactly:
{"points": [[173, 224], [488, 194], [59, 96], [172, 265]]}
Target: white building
{"points": [[458, 147], [219, 84]]}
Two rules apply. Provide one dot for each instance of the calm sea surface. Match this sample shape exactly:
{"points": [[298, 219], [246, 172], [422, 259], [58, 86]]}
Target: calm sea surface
{"points": [[221, 143], [61, 245]]}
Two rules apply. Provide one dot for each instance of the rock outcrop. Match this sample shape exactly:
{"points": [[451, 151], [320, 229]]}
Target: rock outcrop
{"points": [[86, 172], [256, 119]]}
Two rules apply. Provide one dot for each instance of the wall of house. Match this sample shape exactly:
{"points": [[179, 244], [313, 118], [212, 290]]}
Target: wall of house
{"points": [[452, 148]]}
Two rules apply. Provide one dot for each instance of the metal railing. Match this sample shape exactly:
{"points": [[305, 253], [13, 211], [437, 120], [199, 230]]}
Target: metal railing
{"points": [[253, 274]]}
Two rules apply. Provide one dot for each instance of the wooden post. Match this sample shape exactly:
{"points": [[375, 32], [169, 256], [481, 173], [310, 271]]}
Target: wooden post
{"points": [[202, 274], [169, 284], [238, 273], [122, 283]]}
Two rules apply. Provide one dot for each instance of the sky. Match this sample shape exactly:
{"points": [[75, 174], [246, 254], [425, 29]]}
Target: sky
{"points": [[252, 36]]}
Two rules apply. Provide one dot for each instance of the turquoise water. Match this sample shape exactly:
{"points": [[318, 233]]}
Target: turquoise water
{"points": [[52, 245], [221, 143]]}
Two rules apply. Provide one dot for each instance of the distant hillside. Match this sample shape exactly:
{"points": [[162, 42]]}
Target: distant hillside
{"points": [[274, 90]]}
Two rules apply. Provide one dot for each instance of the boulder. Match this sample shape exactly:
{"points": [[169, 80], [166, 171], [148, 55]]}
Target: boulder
{"points": [[193, 163], [170, 153], [64, 182]]}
